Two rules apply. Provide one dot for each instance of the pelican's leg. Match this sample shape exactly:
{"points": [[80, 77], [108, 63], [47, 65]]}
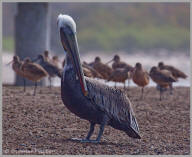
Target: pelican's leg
{"points": [[35, 88], [115, 84], [92, 126], [102, 126], [124, 85], [24, 84], [87, 139]]}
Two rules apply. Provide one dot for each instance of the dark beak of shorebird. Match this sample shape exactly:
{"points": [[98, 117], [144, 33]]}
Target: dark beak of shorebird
{"points": [[35, 59], [70, 45], [9, 63], [109, 61]]}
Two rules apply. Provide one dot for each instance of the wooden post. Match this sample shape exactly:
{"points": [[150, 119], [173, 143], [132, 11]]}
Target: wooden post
{"points": [[31, 31]]}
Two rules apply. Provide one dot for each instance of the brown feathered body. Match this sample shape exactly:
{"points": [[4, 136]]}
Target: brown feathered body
{"points": [[87, 72], [120, 75], [101, 101], [175, 72], [140, 76], [51, 69], [116, 104], [103, 69], [16, 66], [119, 64], [89, 64], [92, 71], [33, 71], [162, 77]]}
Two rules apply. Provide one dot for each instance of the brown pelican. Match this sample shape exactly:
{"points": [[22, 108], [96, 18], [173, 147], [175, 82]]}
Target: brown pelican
{"points": [[163, 78], [175, 72], [33, 72], [16, 66], [51, 69], [140, 77], [88, 98]]}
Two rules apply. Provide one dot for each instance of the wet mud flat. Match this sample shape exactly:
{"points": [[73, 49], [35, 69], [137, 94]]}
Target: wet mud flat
{"points": [[41, 124]]}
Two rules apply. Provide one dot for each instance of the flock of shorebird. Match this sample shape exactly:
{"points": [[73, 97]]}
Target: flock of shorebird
{"points": [[35, 70], [43, 65], [163, 75]]}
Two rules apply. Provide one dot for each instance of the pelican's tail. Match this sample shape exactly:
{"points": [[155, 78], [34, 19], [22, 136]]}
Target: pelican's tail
{"points": [[133, 129]]}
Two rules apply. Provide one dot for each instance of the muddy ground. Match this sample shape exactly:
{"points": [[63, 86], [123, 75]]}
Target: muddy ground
{"points": [[41, 124]]}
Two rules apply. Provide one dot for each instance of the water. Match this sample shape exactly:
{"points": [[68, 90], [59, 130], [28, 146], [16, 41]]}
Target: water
{"points": [[178, 60]]}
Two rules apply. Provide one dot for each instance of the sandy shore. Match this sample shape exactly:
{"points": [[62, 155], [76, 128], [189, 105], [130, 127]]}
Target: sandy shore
{"points": [[43, 125]]}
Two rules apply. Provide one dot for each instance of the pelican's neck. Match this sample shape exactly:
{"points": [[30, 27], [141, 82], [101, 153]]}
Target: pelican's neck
{"points": [[68, 60], [69, 65], [75, 74]]}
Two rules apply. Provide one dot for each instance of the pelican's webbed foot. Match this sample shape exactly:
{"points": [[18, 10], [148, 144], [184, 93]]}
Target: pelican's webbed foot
{"points": [[85, 140], [89, 141]]}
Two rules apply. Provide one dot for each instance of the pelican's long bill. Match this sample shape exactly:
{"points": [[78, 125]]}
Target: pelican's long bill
{"points": [[69, 42]]}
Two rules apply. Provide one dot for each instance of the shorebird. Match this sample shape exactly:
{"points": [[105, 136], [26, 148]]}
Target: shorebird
{"points": [[46, 56], [16, 66], [140, 77], [175, 72], [88, 98], [88, 70], [101, 68], [55, 61], [33, 72], [163, 78], [118, 63], [51, 69], [120, 75], [97, 59], [94, 73]]}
